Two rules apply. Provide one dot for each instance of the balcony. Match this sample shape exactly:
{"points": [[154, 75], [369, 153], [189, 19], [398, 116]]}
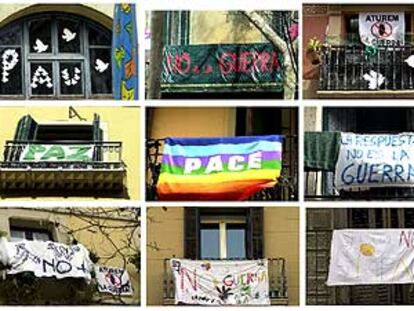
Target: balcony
{"points": [[100, 172], [285, 190], [278, 289], [346, 71]]}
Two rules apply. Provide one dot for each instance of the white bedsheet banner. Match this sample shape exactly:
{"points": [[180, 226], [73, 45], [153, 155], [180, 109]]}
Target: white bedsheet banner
{"points": [[221, 282], [46, 259], [375, 161], [113, 280], [382, 28], [372, 256]]}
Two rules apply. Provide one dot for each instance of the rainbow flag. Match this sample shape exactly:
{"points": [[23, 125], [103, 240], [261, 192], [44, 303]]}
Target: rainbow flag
{"points": [[221, 169]]}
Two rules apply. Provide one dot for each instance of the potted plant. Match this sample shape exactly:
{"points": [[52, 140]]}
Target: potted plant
{"points": [[314, 50]]}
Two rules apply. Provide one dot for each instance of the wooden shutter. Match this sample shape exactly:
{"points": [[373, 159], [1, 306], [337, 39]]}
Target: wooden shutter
{"points": [[97, 137], [191, 233], [255, 233], [26, 129]]}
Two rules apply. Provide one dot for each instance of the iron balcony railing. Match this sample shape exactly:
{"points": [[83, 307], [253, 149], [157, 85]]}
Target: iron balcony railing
{"points": [[105, 155], [320, 186], [285, 190], [278, 288], [354, 67]]}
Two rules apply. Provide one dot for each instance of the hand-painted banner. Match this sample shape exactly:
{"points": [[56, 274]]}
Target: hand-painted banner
{"points": [[125, 52], [382, 28], [221, 282], [228, 168], [46, 259], [70, 153], [224, 66], [375, 161], [372, 256], [113, 280]]}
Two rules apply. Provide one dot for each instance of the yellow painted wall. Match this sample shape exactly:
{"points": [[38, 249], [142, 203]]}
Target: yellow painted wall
{"points": [[122, 124], [165, 239], [281, 239], [193, 122], [101, 13], [92, 239], [213, 27]]}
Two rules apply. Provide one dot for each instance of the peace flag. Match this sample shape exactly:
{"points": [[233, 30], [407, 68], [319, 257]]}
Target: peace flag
{"points": [[221, 169]]}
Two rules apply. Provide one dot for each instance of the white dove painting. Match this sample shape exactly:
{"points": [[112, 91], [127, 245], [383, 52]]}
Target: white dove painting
{"points": [[410, 61], [100, 65], [375, 79], [68, 80], [68, 35], [41, 76], [40, 47]]}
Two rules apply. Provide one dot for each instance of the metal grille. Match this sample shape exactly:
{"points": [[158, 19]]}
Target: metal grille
{"points": [[345, 68]]}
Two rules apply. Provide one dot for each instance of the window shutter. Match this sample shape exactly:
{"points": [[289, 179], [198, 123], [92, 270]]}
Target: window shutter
{"points": [[26, 129], [191, 233], [97, 137], [255, 233]]}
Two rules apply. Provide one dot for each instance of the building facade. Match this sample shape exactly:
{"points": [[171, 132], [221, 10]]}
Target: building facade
{"points": [[222, 54], [320, 224], [270, 233], [85, 153], [111, 235], [338, 64], [225, 122]]}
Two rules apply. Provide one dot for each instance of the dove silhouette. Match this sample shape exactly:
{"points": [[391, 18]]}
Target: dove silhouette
{"points": [[100, 66], [375, 79], [40, 47], [68, 35], [410, 61]]}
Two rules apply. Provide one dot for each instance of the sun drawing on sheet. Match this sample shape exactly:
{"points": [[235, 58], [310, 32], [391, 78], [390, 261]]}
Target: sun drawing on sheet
{"points": [[367, 249]]}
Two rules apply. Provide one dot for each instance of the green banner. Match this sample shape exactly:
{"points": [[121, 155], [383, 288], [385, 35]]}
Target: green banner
{"points": [[70, 153], [210, 67]]}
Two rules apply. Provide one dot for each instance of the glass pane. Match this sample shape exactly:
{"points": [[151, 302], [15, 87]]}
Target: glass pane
{"points": [[40, 36], [11, 71], [99, 37], [101, 71], [16, 235], [40, 236], [41, 78], [11, 35], [71, 78], [210, 241], [69, 36], [236, 241]]}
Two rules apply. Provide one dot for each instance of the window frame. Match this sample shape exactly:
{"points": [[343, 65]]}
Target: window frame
{"points": [[56, 58]]}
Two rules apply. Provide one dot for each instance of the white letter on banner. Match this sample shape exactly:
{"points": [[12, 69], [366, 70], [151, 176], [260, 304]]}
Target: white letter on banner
{"points": [[255, 160], [214, 165], [235, 163], [191, 164]]}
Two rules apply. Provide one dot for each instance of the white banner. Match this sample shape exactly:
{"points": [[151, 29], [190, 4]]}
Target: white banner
{"points": [[113, 280], [372, 256], [44, 152], [382, 28], [375, 161], [221, 282], [46, 259]]}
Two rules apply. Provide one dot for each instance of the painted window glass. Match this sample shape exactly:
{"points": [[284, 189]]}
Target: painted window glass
{"points": [[55, 56]]}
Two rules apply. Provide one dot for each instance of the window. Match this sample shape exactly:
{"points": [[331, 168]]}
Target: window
{"points": [[55, 56], [18, 234], [177, 27], [223, 233], [223, 237]]}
